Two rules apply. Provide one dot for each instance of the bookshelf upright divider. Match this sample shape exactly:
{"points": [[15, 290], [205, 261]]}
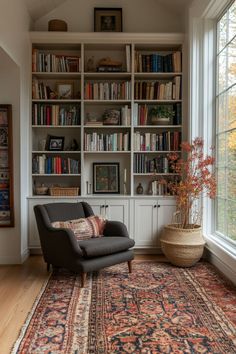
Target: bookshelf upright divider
{"points": [[93, 100]]}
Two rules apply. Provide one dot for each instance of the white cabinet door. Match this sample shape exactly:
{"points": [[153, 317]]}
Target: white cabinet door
{"points": [[98, 206], [145, 223], [117, 210], [166, 209]]}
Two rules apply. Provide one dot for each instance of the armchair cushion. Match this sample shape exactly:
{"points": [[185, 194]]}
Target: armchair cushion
{"points": [[105, 246], [83, 228]]}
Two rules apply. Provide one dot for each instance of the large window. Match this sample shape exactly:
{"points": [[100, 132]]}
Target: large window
{"points": [[226, 125]]}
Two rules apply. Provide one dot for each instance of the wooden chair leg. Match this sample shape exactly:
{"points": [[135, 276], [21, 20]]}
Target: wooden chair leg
{"points": [[130, 266], [83, 278], [48, 267]]}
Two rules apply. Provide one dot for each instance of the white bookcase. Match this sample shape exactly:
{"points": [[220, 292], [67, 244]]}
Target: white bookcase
{"points": [[141, 90], [90, 101]]}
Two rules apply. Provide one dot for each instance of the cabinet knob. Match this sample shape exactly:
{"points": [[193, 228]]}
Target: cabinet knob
{"points": [[102, 206], [155, 206], [106, 206], [158, 206]]}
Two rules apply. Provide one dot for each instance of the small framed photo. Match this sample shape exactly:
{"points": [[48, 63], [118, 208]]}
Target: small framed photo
{"points": [[107, 19], [65, 89], [55, 143], [106, 178]]}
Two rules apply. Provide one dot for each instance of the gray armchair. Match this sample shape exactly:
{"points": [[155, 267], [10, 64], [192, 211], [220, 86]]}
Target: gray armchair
{"points": [[61, 249]]}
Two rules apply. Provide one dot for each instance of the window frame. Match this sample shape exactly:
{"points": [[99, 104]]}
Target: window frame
{"points": [[202, 108], [224, 238]]}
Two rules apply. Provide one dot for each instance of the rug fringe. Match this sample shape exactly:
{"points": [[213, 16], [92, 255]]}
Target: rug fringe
{"points": [[28, 318]]}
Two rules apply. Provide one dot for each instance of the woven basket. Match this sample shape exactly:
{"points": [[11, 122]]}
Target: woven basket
{"points": [[64, 191], [57, 25], [182, 247]]}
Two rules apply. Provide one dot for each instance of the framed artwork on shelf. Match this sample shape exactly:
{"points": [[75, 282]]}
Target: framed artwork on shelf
{"points": [[65, 90], [106, 178], [107, 19], [55, 143], [6, 167]]}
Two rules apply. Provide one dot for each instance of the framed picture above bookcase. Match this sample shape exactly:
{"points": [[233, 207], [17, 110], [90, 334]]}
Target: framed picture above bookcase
{"points": [[6, 167]]}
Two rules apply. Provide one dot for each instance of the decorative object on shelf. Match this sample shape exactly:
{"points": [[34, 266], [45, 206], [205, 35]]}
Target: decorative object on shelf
{"points": [[42, 144], [64, 191], [125, 181], [90, 66], [139, 189], [88, 188], [41, 190], [106, 177], [73, 146], [107, 19], [6, 167], [55, 143], [182, 241], [162, 114], [65, 89], [111, 117], [109, 65], [57, 25]]}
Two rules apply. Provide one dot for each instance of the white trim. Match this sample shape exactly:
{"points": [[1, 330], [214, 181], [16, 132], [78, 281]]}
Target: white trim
{"points": [[24, 255], [222, 261], [96, 37], [202, 45]]}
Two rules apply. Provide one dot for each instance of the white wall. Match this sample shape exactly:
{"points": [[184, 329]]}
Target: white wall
{"points": [[10, 239], [138, 16], [14, 89]]}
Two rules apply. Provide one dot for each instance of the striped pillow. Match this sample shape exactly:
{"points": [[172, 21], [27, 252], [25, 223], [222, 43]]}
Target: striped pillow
{"points": [[83, 228]]}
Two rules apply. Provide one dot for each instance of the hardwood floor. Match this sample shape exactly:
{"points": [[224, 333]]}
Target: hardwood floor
{"points": [[19, 287]]}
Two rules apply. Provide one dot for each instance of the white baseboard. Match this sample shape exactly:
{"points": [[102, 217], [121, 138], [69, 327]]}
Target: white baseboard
{"points": [[228, 272], [25, 255]]}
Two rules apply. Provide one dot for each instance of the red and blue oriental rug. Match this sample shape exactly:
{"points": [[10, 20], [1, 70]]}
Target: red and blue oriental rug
{"points": [[156, 309]]}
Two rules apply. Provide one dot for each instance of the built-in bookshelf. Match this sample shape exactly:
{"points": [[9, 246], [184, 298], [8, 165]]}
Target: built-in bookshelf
{"points": [[97, 97]]}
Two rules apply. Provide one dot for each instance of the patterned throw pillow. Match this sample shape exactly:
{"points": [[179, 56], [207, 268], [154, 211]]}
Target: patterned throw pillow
{"points": [[84, 228]]}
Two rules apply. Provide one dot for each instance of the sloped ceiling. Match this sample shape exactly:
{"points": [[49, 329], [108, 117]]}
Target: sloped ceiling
{"points": [[39, 8]]}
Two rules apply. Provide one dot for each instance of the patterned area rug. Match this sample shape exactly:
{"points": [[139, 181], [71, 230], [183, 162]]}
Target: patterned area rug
{"points": [[156, 309]]}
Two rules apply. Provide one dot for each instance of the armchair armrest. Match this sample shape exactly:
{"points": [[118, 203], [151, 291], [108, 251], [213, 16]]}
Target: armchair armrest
{"points": [[65, 238], [55, 242], [115, 228]]}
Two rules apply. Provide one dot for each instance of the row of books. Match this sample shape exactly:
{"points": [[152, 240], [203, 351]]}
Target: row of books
{"points": [[46, 114], [107, 90], [159, 164], [160, 187], [40, 91], [107, 142], [157, 62], [47, 62], [142, 115], [165, 141], [54, 165], [158, 90]]}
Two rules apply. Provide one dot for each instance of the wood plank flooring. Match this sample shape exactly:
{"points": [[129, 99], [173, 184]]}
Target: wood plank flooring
{"points": [[19, 287]]}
